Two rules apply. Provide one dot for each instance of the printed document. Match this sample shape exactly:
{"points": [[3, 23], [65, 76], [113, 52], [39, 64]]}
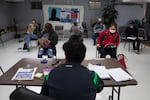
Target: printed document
{"points": [[24, 74], [100, 70]]}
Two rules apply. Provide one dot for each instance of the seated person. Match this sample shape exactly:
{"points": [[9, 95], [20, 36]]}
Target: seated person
{"points": [[48, 41], [132, 31], [71, 80], [98, 27], [30, 34], [108, 41], [76, 28]]}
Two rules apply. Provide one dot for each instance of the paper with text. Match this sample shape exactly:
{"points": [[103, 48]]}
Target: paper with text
{"points": [[118, 74], [24, 74], [100, 70]]}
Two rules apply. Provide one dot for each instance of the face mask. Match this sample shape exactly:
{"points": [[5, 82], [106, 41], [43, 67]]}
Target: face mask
{"points": [[112, 31], [131, 26]]}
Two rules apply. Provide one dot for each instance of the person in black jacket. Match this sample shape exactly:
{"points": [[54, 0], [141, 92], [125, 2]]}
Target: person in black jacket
{"points": [[71, 80], [132, 31], [48, 41]]}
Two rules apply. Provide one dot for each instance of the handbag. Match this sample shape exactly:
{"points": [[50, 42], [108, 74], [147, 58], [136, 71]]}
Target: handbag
{"points": [[122, 59]]}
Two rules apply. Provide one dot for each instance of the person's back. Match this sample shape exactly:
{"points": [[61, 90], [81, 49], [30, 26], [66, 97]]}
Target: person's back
{"points": [[71, 80], [76, 29]]}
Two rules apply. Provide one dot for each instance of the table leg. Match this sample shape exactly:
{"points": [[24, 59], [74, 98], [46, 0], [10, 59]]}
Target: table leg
{"points": [[1, 41], [1, 70], [117, 91]]}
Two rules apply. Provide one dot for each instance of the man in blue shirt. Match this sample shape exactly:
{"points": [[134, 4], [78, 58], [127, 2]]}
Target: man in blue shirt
{"points": [[97, 29]]}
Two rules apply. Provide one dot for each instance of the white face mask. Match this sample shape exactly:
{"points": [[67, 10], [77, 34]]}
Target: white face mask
{"points": [[112, 31], [131, 26]]}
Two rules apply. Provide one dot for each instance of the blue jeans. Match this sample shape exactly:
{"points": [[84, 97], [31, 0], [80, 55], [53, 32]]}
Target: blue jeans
{"points": [[48, 52], [95, 35], [28, 37]]}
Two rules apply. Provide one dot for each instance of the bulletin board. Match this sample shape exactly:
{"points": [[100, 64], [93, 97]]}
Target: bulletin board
{"points": [[63, 14]]}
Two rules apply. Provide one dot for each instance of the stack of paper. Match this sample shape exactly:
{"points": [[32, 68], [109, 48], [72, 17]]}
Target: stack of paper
{"points": [[118, 74], [100, 70], [24, 74]]}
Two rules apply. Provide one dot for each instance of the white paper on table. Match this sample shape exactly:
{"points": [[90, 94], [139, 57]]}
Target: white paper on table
{"points": [[100, 70], [118, 74]]}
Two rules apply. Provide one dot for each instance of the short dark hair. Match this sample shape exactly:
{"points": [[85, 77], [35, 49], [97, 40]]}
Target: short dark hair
{"points": [[75, 23], [76, 37], [74, 49]]}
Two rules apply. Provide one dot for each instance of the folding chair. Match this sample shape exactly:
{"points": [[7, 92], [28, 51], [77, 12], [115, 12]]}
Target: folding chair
{"points": [[60, 31], [1, 40], [97, 52], [142, 36], [34, 40], [129, 40]]}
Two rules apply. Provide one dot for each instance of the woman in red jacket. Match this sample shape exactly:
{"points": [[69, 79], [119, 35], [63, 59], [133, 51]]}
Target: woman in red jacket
{"points": [[108, 41]]}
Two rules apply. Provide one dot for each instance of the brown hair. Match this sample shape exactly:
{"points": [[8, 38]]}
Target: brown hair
{"points": [[49, 28]]}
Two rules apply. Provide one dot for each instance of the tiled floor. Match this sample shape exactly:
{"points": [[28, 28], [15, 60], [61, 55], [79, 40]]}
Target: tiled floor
{"points": [[138, 66]]}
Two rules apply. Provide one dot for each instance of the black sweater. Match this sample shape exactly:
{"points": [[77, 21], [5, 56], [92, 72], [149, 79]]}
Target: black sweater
{"points": [[72, 81]]}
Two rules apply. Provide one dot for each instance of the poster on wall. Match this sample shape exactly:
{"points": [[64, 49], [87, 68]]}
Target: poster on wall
{"points": [[69, 15], [54, 13], [65, 15], [74, 15]]}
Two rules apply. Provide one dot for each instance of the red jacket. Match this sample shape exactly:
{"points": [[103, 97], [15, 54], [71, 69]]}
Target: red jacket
{"points": [[109, 38]]}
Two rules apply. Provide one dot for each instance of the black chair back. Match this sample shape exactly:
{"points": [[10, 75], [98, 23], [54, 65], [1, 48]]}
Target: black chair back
{"points": [[26, 94]]}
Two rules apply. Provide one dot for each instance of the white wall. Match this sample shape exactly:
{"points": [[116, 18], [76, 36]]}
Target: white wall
{"points": [[66, 25], [129, 12]]}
